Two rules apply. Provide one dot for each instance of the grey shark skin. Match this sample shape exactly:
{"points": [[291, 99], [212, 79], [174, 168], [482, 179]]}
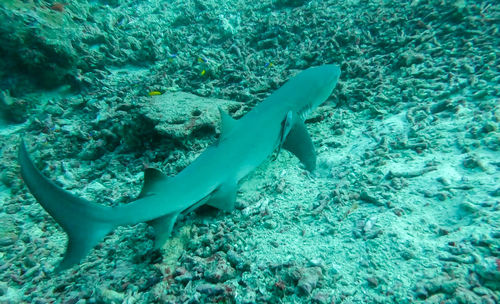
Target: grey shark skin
{"points": [[277, 122]]}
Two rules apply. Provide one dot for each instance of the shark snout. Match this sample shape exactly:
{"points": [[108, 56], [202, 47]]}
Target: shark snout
{"points": [[323, 80], [332, 73]]}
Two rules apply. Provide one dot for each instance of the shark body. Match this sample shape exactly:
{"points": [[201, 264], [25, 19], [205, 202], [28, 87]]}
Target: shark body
{"points": [[211, 179]]}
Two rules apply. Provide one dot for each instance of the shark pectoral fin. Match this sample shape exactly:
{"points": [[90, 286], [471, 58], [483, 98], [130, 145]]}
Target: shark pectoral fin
{"points": [[286, 126], [163, 228], [151, 176], [224, 197], [227, 122], [299, 143]]}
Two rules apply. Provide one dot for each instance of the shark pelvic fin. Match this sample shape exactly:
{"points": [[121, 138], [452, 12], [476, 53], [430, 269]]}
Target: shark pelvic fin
{"points": [[300, 143], [227, 122], [151, 176], [163, 228], [224, 197], [86, 223]]}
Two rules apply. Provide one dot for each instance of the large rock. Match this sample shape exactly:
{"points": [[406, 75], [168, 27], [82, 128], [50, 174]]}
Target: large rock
{"points": [[180, 115]]}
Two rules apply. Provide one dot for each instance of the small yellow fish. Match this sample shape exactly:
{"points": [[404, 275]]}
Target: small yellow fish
{"points": [[154, 93], [203, 72]]}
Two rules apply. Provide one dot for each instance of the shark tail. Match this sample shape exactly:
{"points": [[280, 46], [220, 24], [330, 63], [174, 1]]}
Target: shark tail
{"points": [[86, 223]]}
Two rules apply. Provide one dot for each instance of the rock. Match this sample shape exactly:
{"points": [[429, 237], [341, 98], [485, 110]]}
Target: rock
{"points": [[3, 289], [179, 115], [409, 58], [373, 281], [290, 3], [92, 150], [182, 275], [210, 289], [12, 208], [436, 298], [13, 109], [481, 291], [270, 224], [471, 162], [420, 291], [488, 127], [220, 271], [308, 279], [495, 193], [8, 231], [489, 270], [466, 296], [237, 261], [110, 296], [248, 297], [321, 298]]}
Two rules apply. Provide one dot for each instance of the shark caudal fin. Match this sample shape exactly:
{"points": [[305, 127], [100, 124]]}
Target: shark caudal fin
{"points": [[86, 223]]}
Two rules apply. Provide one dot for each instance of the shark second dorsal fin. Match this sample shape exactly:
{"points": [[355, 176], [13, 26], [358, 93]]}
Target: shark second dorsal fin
{"points": [[227, 122], [299, 143], [151, 176]]}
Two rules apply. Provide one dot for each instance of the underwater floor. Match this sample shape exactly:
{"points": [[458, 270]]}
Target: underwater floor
{"points": [[404, 206]]}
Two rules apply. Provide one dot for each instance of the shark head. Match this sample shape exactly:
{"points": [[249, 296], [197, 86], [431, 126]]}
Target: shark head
{"points": [[311, 88]]}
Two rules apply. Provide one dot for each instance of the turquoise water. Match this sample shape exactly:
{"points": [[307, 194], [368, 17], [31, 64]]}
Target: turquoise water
{"points": [[402, 207]]}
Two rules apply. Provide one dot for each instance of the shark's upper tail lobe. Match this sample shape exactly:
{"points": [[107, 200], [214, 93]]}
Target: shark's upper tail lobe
{"points": [[85, 222]]}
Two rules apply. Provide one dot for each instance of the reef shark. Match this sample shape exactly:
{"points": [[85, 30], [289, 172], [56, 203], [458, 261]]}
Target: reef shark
{"points": [[277, 122]]}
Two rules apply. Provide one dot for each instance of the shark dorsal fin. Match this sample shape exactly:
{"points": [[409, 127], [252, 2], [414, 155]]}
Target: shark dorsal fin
{"points": [[151, 176], [299, 143], [227, 122]]}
